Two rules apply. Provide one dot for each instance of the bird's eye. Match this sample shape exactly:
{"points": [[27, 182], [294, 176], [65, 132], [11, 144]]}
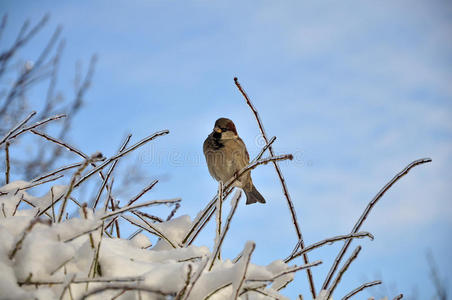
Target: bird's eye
{"points": [[224, 129]]}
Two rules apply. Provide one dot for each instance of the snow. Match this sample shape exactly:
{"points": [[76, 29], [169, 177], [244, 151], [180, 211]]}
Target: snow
{"points": [[63, 254]]}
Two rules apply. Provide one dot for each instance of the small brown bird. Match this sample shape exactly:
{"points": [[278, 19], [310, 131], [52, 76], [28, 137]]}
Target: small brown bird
{"points": [[226, 155]]}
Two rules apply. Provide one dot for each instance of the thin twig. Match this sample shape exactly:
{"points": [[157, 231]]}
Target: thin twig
{"points": [[133, 207], [143, 191], [96, 256], [61, 265], [272, 140], [217, 290], [123, 153], [151, 217], [360, 288], [157, 230], [173, 212], [218, 212], [60, 143], [289, 271], [95, 157], [18, 203], [7, 162], [126, 288], [141, 226], [398, 297], [36, 183], [250, 246], [110, 171], [66, 286], [39, 213], [83, 280], [59, 170], [196, 277], [358, 235], [283, 184], [27, 230], [222, 234], [113, 207], [137, 232], [366, 213], [181, 293], [52, 202], [23, 122], [37, 124], [342, 271], [82, 234]]}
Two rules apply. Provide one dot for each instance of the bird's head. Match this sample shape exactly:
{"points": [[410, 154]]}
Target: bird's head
{"points": [[224, 129]]}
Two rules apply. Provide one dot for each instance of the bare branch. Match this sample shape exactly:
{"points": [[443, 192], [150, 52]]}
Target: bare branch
{"points": [[66, 286], [358, 235], [82, 234], [144, 191], [181, 293], [95, 157], [126, 288], [283, 184], [18, 203], [366, 213], [59, 170], [196, 276], [7, 162], [21, 40], [288, 271], [245, 269], [110, 171], [157, 230], [133, 207], [360, 288], [36, 183], [37, 124], [151, 217], [259, 156], [219, 206], [60, 143], [173, 212], [15, 128], [342, 271], [84, 280], [137, 232], [123, 153], [222, 234], [27, 230]]}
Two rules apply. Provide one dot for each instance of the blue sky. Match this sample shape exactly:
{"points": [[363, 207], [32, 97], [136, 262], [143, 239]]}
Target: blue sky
{"points": [[356, 90]]}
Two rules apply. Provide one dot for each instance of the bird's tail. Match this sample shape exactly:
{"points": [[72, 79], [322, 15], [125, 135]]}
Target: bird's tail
{"points": [[253, 196]]}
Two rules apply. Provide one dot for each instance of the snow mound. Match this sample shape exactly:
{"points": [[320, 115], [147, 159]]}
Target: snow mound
{"points": [[74, 259]]}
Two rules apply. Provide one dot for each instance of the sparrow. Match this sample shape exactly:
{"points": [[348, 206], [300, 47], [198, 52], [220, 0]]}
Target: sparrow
{"points": [[226, 155]]}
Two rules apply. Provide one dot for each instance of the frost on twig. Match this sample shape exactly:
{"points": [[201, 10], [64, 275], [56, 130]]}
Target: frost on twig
{"points": [[342, 271], [238, 281], [110, 171], [366, 212], [358, 235], [283, 183], [222, 233], [95, 157], [361, 288]]}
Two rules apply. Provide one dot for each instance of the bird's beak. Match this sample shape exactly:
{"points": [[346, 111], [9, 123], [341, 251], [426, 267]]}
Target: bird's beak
{"points": [[216, 129]]}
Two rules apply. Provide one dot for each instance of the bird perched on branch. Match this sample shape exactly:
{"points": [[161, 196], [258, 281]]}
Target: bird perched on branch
{"points": [[226, 155]]}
